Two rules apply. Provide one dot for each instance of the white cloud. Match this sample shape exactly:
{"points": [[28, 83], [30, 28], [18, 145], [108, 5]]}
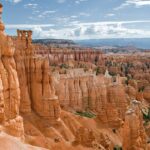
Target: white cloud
{"points": [[27, 26], [76, 1], [91, 30], [61, 1], [31, 5], [73, 16], [136, 3], [46, 13], [80, 1], [84, 14], [14, 1], [17, 1], [115, 22], [65, 20], [110, 15]]}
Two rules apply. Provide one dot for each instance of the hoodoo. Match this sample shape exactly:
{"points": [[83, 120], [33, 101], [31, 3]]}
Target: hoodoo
{"points": [[11, 121]]}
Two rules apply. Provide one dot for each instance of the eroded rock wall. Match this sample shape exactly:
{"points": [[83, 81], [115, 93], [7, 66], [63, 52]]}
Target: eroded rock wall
{"points": [[86, 92], [11, 122], [133, 132], [44, 100]]}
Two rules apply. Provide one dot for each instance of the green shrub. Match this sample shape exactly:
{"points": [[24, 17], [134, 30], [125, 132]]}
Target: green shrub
{"points": [[97, 70], [117, 148], [141, 89], [53, 65], [146, 117], [86, 114], [112, 73], [127, 82], [64, 66]]}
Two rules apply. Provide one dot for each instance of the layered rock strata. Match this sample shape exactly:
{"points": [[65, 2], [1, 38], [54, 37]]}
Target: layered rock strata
{"points": [[75, 110], [82, 91]]}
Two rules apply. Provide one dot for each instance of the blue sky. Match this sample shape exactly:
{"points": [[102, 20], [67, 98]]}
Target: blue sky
{"points": [[78, 19]]}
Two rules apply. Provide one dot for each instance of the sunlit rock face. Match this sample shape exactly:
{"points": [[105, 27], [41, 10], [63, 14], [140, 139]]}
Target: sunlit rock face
{"points": [[23, 74], [77, 109], [63, 55], [10, 92], [133, 131], [82, 91], [45, 102], [35, 76], [136, 67]]}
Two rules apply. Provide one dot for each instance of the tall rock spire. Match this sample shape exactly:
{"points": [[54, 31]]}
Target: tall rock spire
{"points": [[1, 24]]}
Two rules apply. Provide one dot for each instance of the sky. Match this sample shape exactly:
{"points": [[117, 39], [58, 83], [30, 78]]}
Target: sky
{"points": [[78, 19]]}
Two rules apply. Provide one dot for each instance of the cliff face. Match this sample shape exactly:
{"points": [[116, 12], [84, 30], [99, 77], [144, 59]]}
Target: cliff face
{"points": [[10, 92], [57, 55], [23, 75], [82, 91], [75, 110], [44, 102], [37, 91], [133, 131]]}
